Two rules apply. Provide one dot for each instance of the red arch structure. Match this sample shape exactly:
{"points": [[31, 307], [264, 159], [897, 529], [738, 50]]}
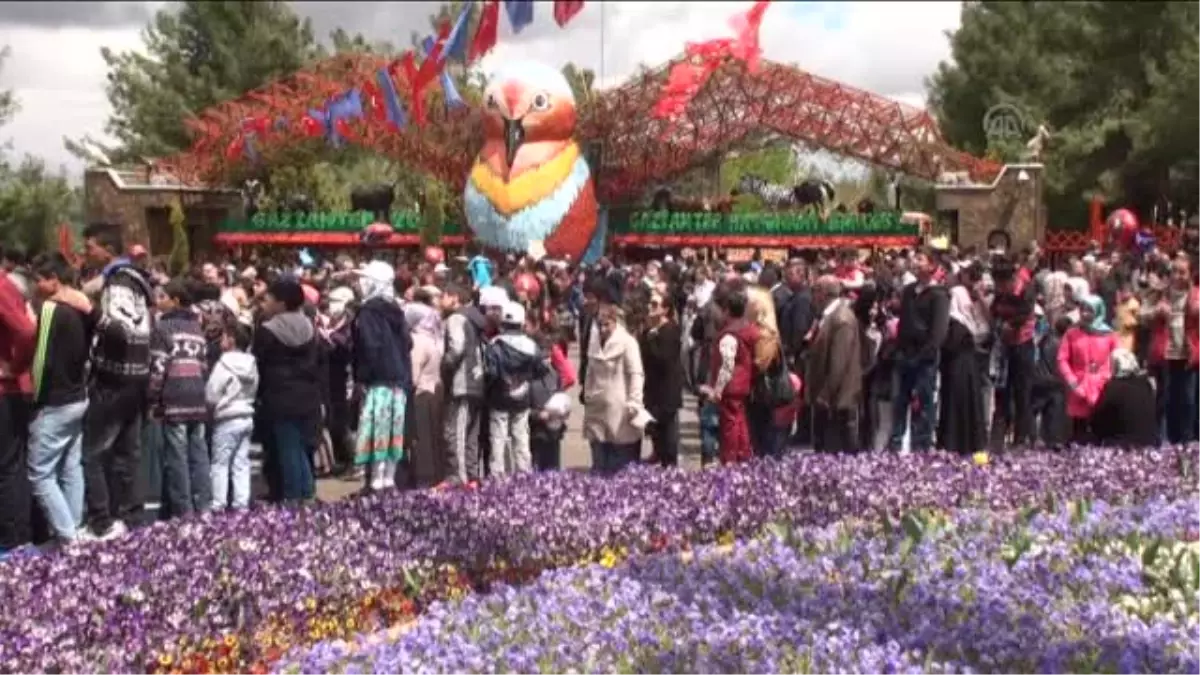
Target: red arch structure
{"points": [[636, 149]]}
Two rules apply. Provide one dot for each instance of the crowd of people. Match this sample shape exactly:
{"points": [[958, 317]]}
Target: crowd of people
{"points": [[399, 373]]}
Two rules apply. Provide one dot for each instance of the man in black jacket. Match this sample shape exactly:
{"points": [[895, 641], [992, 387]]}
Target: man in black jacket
{"points": [[795, 317], [120, 360], [924, 320]]}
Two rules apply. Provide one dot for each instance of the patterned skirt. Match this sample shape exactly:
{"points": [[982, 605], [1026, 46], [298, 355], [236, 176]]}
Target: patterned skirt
{"points": [[381, 426]]}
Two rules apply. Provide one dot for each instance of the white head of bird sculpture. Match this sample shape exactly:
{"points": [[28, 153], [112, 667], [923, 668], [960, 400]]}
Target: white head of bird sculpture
{"points": [[531, 189]]}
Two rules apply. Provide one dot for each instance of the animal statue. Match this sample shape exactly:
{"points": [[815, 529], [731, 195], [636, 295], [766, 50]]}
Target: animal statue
{"points": [[375, 198], [811, 194], [252, 194], [664, 200], [1037, 144], [773, 195], [297, 203], [530, 189], [814, 194]]}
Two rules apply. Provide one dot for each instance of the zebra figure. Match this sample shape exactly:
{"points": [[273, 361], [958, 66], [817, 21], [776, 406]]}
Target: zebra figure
{"points": [[775, 196], [810, 194]]}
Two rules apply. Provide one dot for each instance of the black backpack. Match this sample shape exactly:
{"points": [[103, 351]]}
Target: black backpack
{"points": [[772, 388]]}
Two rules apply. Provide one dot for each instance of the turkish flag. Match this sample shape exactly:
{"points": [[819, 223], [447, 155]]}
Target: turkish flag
{"points": [[565, 10], [485, 34]]}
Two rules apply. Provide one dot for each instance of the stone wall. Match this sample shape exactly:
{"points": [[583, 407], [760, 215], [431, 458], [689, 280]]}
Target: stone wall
{"points": [[1009, 204], [108, 201]]}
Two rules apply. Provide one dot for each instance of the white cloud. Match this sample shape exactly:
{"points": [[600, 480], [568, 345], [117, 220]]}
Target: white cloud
{"points": [[887, 48], [58, 76]]}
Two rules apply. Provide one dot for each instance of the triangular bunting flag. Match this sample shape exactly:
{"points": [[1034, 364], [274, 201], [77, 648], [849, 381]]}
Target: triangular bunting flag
{"points": [[391, 99], [485, 34], [456, 44], [565, 10], [449, 90], [520, 13]]}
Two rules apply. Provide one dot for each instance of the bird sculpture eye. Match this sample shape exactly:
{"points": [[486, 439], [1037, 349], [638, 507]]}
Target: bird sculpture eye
{"points": [[491, 101], [541, 102]]}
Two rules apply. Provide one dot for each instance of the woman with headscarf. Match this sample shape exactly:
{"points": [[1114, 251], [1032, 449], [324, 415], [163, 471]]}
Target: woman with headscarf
{"points": [[1083, 362], [427, 349], [1124, 415], [962, 426], [382, 367]]}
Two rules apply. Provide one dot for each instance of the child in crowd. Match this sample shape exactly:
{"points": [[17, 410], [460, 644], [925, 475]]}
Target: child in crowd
{"points": [[512, 362], [231, 391], [176, 396], [549, 405]]}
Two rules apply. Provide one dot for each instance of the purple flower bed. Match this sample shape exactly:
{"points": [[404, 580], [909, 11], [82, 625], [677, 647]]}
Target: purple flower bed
{"points": [[239, 589], [979, 593]]}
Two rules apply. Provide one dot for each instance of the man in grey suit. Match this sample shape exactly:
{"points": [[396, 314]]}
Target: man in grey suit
{"points": [[834, 383]]}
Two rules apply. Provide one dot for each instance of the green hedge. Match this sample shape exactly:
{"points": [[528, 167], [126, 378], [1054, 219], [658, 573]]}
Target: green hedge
{"points": [[768, 224], [405, 222]]}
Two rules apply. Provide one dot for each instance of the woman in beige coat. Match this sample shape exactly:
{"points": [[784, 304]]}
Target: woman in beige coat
{"points": [[613, 415]]}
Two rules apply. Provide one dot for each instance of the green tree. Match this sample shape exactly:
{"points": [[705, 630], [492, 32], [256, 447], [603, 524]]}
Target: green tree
{"points": [[776, 164], [1114, 81], [199, 54], [33, 200]]}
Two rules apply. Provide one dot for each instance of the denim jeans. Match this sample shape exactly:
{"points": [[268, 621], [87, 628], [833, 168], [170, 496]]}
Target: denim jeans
{"points": [[187, 476], [612, 457], [913, 378], [1177, 394], [293, 443], [231, 462], [56, 465], [710, 432]]}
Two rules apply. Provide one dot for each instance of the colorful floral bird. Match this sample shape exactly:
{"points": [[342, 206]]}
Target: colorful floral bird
{"points": [[531, 188]]}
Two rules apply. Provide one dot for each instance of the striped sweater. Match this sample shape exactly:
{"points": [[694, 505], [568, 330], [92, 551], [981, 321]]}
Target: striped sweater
{"points": [[177, 368]]}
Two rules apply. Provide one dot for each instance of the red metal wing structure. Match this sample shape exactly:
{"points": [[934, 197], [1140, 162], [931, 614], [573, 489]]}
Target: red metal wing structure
{"points": [[734, 107]]}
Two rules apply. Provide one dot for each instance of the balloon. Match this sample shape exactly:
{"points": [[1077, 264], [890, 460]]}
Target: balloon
{"points": [[376, 233], [526, 283], [1123, 227], [434, 255]]}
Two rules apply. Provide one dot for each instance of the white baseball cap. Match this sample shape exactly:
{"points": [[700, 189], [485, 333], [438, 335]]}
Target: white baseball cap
{"points": [[513, 315], [492, 296]]}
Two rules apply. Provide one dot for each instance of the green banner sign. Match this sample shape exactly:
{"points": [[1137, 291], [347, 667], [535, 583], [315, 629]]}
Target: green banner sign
{"points": [[404, 222], [768, 224]]}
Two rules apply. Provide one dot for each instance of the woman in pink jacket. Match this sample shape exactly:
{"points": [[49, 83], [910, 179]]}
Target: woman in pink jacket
{"points": [[1083, 362]]}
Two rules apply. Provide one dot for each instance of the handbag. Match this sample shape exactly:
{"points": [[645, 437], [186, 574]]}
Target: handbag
{"points": [[772, 388]]}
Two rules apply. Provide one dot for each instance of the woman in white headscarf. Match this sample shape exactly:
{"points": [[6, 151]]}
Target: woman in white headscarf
{"points": [[962, 425], [1125, 414], [383, 368]]}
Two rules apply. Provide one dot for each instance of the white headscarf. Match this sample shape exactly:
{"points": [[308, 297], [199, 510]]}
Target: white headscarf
{"points": [[964, 310], [377, 280]]}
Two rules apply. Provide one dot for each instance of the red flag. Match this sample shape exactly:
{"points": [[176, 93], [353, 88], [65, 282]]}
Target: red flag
{"points": [[565, 10], [485, 35], [746, 26]]}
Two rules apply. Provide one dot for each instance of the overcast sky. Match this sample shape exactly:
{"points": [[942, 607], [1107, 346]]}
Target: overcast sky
{"points": [[889, 48]]}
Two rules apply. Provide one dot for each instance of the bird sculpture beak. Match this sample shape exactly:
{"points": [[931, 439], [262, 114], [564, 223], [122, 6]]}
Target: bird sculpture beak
{"points": [[514, 136]]}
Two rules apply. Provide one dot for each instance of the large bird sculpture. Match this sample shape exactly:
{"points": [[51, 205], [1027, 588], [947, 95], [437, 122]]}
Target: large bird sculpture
{"points": [[531, 188]]}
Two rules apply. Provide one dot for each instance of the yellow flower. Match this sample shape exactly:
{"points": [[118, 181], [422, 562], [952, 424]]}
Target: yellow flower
{"points": [[310, 604], [981, 459], [165, 660]]}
